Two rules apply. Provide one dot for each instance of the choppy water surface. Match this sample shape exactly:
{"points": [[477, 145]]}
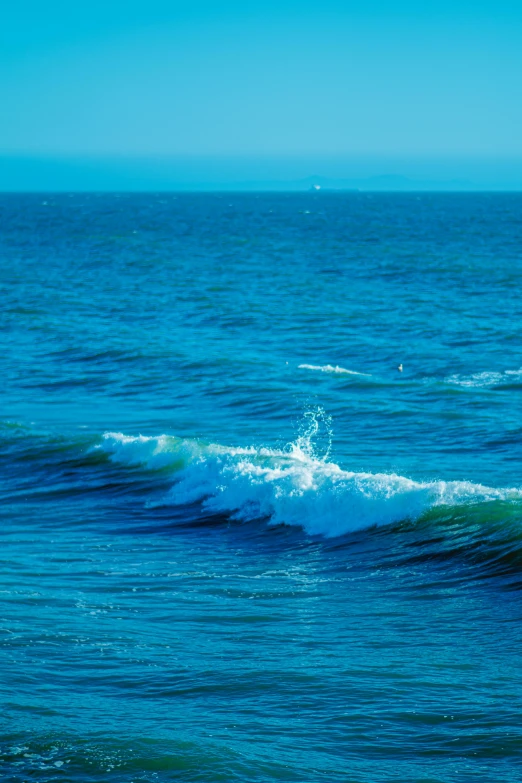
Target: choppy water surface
{"points": [[236, 542]]}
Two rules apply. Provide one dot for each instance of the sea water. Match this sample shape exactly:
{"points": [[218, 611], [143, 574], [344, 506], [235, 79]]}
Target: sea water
{"points": [[237, 542]]}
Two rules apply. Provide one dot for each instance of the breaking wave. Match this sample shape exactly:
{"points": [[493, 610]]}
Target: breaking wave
{"points": [[290, 486]]}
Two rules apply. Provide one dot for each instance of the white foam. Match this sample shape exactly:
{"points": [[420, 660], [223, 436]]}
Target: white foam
{"points": [[331, 368], [290, 486], [485, 379]]}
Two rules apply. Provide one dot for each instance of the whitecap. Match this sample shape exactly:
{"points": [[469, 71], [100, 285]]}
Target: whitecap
{"points": [[485, 379], [331, 368]]}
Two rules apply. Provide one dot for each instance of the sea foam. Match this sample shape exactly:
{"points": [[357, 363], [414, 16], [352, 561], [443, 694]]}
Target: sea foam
{"points": [[289, 486], [486, 379], [332, 369]]}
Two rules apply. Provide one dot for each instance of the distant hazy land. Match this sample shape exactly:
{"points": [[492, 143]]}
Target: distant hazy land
{"points": [[241, 173]]}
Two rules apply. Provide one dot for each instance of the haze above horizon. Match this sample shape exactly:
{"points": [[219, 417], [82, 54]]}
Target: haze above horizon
{"points": [[246, 92]]}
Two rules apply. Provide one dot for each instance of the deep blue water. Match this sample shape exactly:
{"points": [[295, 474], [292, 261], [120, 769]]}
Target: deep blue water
{"points": [[237, 543]]}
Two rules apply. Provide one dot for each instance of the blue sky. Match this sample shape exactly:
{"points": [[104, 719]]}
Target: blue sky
{"points": [[351, 81]]}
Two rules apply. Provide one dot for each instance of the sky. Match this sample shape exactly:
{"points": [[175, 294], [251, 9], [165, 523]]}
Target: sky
{"points": [[237, 91]]}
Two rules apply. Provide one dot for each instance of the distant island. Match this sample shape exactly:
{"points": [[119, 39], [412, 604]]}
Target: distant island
{"points": [[128, 174], [383, 183]]}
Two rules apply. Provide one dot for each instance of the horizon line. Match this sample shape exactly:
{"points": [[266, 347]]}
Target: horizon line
{"points": [[266, 191]]}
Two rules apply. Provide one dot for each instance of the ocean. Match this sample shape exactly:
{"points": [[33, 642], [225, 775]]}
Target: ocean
{"points": [[237, 542]]}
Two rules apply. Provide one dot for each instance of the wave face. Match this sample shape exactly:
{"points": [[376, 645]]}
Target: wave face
{"points": [[290, 486]]}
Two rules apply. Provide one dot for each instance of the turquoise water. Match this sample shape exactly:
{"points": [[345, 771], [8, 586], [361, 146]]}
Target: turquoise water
{"points": [[236, 542]]}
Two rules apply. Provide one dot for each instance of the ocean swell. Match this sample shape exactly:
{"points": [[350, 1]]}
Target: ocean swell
{"points": [[289, 486]]}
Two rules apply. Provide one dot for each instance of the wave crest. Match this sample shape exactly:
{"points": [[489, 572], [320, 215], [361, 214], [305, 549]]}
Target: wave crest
{"points": [[290, 486], [331, 368]]}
